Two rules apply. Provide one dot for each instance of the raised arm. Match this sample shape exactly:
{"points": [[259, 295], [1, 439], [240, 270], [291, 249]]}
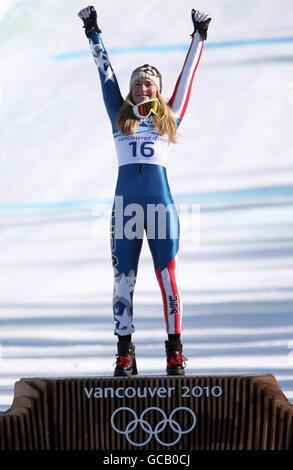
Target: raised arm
{"points": [[180, 97], [110, 88]]}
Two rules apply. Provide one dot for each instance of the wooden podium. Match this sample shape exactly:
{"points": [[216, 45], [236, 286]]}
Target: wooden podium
{"points": [[148, 412]]}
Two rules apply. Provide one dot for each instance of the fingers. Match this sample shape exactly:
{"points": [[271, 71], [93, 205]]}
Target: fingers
{"points": [[86, 12], [199, 16]]}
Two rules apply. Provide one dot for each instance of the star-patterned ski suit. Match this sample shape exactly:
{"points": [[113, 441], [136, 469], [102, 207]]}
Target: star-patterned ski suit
{"points": [[142, 189]]}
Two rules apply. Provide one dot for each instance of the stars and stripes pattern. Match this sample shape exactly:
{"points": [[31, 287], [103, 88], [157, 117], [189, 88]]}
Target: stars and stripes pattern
{"points": [[181, 94], [167, 274], [169, 285], [102, 61]]}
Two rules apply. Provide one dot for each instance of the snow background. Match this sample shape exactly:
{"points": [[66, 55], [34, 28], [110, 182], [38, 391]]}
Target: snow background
{"points": [[58, 170]]}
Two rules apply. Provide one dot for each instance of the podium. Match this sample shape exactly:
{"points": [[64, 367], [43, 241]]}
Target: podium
{"points": [[148, 412]]}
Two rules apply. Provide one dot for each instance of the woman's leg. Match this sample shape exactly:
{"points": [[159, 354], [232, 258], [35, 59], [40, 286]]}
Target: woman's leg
{"points": [[125, 256], [164, 248], [164, 251]]}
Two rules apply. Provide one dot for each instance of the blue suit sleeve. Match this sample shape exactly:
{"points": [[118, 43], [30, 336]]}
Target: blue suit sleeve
{"points": [[110, 88]]}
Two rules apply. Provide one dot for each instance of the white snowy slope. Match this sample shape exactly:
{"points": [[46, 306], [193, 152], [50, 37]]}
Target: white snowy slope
{"points": [[233, 162]]}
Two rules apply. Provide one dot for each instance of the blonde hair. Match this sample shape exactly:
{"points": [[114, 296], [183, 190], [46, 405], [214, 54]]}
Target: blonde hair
{"points": [[164, 121]]}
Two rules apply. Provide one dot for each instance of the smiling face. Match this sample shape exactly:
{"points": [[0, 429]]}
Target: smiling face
{"points": [[143, 89]]}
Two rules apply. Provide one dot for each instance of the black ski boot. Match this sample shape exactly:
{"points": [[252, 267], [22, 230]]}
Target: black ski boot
{"points": [[175, 358], [125, 363]]}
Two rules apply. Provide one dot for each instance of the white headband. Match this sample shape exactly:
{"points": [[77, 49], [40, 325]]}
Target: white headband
{"points": [[147, 71]]}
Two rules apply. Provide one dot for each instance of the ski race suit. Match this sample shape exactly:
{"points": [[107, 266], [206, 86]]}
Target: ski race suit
{"points": [[142, 185]]}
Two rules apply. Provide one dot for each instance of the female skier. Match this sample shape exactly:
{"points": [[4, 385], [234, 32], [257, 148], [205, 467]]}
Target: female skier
{"points": [[144, 126]]}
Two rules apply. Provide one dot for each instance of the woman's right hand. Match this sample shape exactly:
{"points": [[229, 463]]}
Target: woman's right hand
{"points": [[89, 18]]}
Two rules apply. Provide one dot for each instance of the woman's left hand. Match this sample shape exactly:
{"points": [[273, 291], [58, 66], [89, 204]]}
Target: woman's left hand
{"points": [[201, 23]]}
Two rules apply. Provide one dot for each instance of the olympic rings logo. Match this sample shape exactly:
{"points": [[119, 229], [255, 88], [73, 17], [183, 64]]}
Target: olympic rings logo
{"points": [[160, 426]]}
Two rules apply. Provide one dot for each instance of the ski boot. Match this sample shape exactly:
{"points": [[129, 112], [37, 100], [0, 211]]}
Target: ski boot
{"points": [[175, 358], [125, 363]]}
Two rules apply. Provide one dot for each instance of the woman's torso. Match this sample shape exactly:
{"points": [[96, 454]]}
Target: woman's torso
{"points": [[145, 146], [144, 181]]}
